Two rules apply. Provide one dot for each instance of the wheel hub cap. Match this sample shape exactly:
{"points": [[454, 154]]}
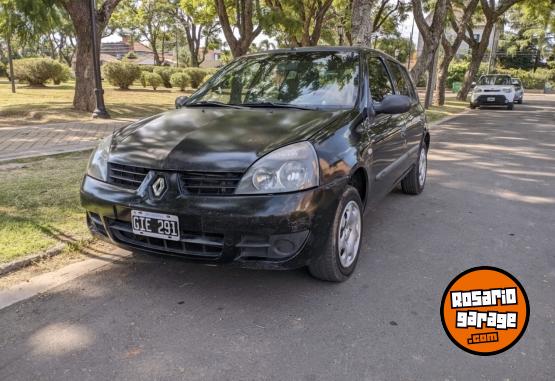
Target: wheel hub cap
{"points": [[422, 164], [349, 234]]}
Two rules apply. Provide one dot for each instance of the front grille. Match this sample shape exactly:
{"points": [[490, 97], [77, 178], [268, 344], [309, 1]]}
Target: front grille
{"points": [[499, 99], [126, 175], [210, 183], [192, 243]]}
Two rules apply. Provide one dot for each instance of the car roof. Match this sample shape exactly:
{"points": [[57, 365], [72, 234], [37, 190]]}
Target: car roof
{"points": [[347, 49]]}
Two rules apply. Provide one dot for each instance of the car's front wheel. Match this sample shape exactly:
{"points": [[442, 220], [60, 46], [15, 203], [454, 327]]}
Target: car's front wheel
{"points": [[339, 259], [510, 106], [414, 181]]}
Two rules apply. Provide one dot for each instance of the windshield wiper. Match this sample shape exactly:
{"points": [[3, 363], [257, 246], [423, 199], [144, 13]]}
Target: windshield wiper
{"points": [[276, 104], [212, 103]]}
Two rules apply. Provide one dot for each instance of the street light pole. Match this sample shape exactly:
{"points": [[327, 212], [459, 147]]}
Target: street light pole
{"points": [[100, 110]]}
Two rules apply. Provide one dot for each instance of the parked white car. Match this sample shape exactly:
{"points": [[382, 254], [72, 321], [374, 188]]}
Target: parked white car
{"points": [[493, 90], [519, 90]]}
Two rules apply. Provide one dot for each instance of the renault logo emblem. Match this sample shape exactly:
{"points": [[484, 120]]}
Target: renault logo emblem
{"points": [[159, 186]]}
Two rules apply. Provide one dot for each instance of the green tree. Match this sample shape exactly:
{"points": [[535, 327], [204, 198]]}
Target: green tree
{"points": [[149, 20], [198, 20]]}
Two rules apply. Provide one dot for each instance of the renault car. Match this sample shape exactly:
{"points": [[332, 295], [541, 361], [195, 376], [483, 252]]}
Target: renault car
{"points": [[270, 164]]}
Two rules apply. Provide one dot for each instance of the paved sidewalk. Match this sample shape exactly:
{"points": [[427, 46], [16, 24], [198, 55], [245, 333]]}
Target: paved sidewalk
{"points": [[47, 139]]}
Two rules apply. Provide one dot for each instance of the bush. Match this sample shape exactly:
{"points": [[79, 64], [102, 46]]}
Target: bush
{"points": [[153, 79], [121, 74], [530, 79], [142, 78], [181, 80], [3, 70], [63, 76], [37, 71], [166, 73], [197, 75]]}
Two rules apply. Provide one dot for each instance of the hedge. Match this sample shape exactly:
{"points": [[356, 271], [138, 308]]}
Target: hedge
{"points": [[197, 75], [529, 78], [153, 79], [37, 71], [3, 70], [63, 76], [121, 74], [181, 80], [166, 72]]}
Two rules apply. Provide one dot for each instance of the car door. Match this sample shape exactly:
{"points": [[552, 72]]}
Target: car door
{"points": [[415, 118], [385, 130]]}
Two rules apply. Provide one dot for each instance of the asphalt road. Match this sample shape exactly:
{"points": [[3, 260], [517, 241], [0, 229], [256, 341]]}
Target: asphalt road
{"points": [[490, 200]]}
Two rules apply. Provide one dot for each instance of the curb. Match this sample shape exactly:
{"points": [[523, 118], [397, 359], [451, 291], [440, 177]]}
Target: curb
{"points": [[30, 259], [53, 152]]}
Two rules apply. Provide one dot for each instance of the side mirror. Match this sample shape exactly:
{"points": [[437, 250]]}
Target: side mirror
{"points": [[393, 104], [181, 101], [473, 85]]}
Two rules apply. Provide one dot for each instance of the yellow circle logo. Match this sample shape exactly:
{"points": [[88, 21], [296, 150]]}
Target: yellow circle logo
{"points": [[485, 310]]}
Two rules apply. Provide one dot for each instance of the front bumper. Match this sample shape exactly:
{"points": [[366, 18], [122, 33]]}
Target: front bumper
{"points": [[279, 231], [492, 99]]}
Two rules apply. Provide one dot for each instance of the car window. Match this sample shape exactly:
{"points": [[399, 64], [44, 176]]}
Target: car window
{"points": [[312, 79], [495, 80], [379, 81], [401, 77]]}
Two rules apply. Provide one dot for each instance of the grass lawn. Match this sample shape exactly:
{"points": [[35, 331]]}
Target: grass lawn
{"points": [[452, 106], [54, 103], [39, 205]]}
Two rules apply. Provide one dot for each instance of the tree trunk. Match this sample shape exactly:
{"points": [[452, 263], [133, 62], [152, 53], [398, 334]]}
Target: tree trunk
{"points": [[476, 59], [10, 62], [78, 10], [361, 22], [84, 98], [439, 99], [431, 35]]}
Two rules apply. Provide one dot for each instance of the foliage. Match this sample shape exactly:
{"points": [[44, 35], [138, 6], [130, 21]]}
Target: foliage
{"points": [[63, 76], [37, 71], [153, 79], [180, 80], [197, 75], [529, 78], [142, 78], [121, 74], [397, 47], [165, 72], [131, 56], [3, 70]]}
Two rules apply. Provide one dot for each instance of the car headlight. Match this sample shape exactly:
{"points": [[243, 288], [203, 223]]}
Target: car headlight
{"points": [[287, 169], [98, 163], [507, 89], [477, 90]]}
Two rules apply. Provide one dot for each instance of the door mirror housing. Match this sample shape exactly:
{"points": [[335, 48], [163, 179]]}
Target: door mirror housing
{"points": [[181, 101], [393, 104]]}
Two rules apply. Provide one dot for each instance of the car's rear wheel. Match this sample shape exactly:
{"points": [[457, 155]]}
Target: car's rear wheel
{"points": [[415, 180], [510, 106], [340, 257]]}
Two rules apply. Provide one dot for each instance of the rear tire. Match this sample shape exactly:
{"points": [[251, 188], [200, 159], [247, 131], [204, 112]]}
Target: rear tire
{"points": [[338, 261], [415, 180], [510, 106]]}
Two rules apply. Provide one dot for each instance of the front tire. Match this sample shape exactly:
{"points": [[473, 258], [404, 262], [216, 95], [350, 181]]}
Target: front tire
{"points": [[415, 180], [339, 259], [472, 106], [510, 106]]}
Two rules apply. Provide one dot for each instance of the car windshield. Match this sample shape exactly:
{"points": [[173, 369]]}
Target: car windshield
{"points": [[495, 80], [296, 80]]}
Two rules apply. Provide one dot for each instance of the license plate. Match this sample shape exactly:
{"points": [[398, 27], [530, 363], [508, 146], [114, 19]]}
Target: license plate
{"points": [[491, 99], [157, 225]]}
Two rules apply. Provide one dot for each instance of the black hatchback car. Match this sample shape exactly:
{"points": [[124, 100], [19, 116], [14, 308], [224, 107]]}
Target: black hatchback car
{"points": [[270, 164]]}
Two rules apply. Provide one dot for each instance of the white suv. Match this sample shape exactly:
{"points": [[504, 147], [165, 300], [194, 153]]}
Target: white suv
{"points": [[493, 90]]}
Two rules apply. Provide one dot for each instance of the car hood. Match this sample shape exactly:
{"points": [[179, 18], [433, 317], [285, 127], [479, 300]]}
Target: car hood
{"points": [[214, 139]]}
